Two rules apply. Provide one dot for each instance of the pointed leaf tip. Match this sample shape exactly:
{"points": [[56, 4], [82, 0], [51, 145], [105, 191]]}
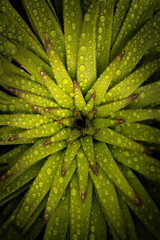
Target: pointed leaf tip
{"points": [[47, 41], [63, 172], [134, 97], [83, 196], [12, 139], [75, 84], [122, 53], [95, 170], [45, 219], [138, 201], [120, 121]]}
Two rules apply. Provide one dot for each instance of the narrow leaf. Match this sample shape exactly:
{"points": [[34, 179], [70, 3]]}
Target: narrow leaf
{"points": [[38, 190], [104, 34], [80, 210], [110, 136], [145, 165], [98, 227], [70, 153], [88, 148], [78, 97], [61, 97], [137, 115], [82, 166], [135, 15], [126, 87], [101, 85], [72, 13], [47, 24], [109, 166], [109, 201], [59, 71], [57, 189], [86, 66], [57, 225], [109, 108], [149, 214]]}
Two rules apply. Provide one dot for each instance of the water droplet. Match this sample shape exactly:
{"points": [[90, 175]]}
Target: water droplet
{"points": [[73, 26], [53, 33], [26, 209], [49, 171], [55, 190], [69, 38], [82, 68], [55, 232], [73, 192], [84, 48], [56, 221], [87, 17]]}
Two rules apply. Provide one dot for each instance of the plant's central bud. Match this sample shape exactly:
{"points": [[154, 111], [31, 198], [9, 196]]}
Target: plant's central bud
{"points": [[81, 123]]}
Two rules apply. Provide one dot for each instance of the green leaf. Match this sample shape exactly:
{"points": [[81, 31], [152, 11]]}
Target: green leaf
{"points": [[148, 95], [89, 106], [32, 63], [58, 112], [37, 152], [109, 108], [11, 104], [57, 225], [137, 46], [86, 66], [10, 157], [19, 182], [63, 134], [82, 166], [46, 25], [35, 215], [140, 132], [7, 132], [99, 123], [109, 166], [145, 165], [148, 213], [70, 153], [38, 190], [138, 13], [44, 130], [137, 115], [87, 145], [110, 136], [59, 71], [126, 87], [101, 85], [5, 6], [72, 14], [131, 230], [61, 97], [35, 229], [57, 189], [107, 194], [104, 34], [33, 99], [98, 226], [24, 84], [24, 120], [78, 98], [79, 210], [20, 35], [119, 16]]}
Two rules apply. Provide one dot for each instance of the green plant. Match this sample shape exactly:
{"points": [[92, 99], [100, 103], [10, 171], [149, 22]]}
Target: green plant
{"points": [[80, 124]]}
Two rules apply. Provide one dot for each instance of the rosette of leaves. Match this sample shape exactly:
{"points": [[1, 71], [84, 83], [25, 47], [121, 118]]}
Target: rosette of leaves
{"points": [[79, 135]]}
